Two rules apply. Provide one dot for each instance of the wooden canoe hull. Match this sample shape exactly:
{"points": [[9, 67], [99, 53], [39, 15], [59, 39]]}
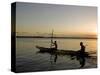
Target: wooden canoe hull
{"points": [[61, 52]]}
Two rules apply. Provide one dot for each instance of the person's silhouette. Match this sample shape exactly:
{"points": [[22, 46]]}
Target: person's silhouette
{"points": [[55, 45], [81, 55], [82, 47]]}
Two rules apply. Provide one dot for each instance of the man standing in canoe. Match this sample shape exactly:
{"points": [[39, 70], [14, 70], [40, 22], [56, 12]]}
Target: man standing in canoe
{"points": [[55, 45], [81, 56], [82, 47]]}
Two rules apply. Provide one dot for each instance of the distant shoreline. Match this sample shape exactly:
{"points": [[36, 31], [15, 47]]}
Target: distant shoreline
{"points": [[56, 37]]}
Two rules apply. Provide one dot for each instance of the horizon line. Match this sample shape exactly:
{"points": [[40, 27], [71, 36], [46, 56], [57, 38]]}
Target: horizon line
{"points": [[70, 37]]}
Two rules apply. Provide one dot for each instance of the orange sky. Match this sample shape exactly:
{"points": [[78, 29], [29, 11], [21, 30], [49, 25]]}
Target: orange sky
{"points": [[64, 19]]}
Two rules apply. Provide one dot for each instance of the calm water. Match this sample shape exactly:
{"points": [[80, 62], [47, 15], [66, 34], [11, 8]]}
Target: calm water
{"points": [[27, 58]]}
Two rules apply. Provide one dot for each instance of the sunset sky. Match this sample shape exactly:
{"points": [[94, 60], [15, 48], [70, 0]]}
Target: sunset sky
{"points": [[33, 18]]}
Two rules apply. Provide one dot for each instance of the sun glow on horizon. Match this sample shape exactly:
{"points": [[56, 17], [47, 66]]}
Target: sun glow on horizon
{"points": [[40, 19]]}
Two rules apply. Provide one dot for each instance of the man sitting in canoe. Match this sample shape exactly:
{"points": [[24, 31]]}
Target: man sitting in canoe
{"points": [[55, 45]]}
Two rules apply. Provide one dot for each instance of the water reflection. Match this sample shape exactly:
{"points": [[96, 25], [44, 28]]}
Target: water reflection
{"points": [[79, 57], [28, 60], [53, 58]]}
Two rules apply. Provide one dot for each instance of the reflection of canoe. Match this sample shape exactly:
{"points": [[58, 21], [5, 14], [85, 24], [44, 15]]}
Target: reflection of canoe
{"points": [[61, 52]]}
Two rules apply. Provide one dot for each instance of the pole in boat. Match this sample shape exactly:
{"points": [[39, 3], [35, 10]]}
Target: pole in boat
{"points": [[51, 38], [51, 45]]}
